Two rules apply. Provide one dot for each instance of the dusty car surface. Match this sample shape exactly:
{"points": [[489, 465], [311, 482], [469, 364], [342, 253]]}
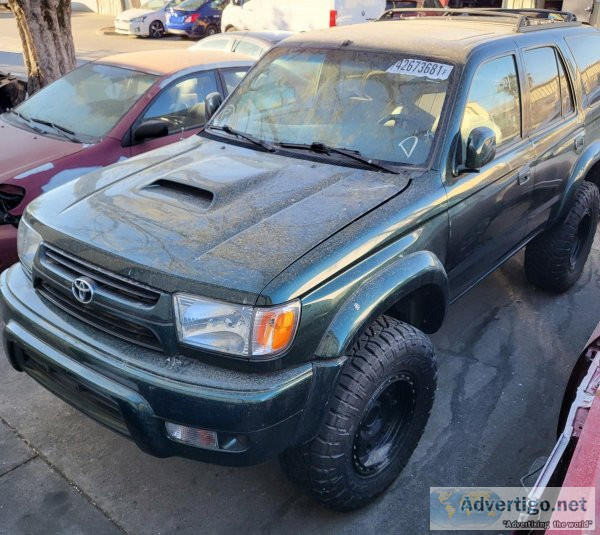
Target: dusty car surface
{"points": [[101, 113], [265, 288]]}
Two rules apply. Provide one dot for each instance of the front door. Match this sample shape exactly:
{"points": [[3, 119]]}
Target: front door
{"points": [[181, 106], [489, 208]]}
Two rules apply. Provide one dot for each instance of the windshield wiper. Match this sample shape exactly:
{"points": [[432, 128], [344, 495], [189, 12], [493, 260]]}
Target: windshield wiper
{"points": [[322, 148], [248, 137], [69, 134], [28, 121]]}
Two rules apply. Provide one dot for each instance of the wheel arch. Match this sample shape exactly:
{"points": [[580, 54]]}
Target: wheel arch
{"points": [[586, 168], [413, 289]]}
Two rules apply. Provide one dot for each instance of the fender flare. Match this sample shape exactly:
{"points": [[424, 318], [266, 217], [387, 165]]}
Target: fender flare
{"points": [[378, 294], [589, 157]]}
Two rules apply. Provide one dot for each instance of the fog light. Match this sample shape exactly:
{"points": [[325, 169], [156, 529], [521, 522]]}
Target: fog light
{"points": [[200, 438]]}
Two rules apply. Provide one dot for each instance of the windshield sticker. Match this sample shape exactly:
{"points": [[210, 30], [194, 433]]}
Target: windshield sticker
{"points": [[423, 69], [409, 145]]}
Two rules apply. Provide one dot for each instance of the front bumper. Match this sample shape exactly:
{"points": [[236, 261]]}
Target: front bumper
{"points": [[134, 391], [131, 28]]}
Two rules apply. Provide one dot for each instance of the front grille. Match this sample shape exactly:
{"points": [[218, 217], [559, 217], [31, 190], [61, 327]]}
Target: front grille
{"points": [[111, 283], [95, 404], [119, 303], [127, 330]]}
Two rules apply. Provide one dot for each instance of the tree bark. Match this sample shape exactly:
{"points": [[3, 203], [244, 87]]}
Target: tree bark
{"points": [[45, 30]]}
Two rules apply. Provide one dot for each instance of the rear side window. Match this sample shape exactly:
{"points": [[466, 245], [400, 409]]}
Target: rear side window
{"points": [[544, 86], [586, 50], [250, 49], [494, 101]]}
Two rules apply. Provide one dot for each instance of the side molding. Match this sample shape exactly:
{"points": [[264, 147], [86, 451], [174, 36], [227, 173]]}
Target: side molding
{"points": [[378, 294]]}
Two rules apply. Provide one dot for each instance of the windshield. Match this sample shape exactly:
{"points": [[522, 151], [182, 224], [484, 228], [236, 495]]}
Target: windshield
{"points": [[385, 107], [154, 4], [192, 5], [88, 101]]}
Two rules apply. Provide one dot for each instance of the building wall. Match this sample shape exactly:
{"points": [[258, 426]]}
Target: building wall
{"points": [[114, 7]]}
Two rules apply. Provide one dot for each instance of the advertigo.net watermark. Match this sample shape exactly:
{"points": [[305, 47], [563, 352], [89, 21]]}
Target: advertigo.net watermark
{"points": [[493, 508]]}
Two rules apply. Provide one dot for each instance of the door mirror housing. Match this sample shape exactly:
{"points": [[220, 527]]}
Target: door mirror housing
{"points": [[151, 129], [481, 148], [212, 102]]}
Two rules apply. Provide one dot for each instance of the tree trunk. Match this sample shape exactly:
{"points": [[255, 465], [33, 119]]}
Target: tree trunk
{"points": [[45, 30]]}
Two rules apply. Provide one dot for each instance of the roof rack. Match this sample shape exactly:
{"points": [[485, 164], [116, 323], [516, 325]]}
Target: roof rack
{"points": [[523, 20]]}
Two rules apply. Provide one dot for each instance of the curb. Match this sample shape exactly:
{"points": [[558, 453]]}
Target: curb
{"points": [[109, 30]]}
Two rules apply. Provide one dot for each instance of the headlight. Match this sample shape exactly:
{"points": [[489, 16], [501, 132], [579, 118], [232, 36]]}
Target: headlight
{"points": [[139, 19], [28, 242], [235, 329]]}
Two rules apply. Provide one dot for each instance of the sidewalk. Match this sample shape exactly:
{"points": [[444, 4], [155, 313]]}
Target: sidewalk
{"points": [[37, 499]]}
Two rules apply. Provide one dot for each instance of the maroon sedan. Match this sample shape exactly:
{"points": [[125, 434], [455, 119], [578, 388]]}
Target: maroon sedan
{"points": [[101, 113]]}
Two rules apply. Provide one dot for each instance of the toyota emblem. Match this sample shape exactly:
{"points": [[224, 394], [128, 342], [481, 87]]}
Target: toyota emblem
{"points": [[83, 290]]}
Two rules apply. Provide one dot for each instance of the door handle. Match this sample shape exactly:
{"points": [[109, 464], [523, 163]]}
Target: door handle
{"points": [[524, 175], [579, 142]]}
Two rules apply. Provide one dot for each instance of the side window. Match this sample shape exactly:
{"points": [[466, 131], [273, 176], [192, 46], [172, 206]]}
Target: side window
{"points": [[586, 50], [566, 93], [544, 88], [494, 101], [249, 49], [232, 77], [181, 105], [213, 44]]}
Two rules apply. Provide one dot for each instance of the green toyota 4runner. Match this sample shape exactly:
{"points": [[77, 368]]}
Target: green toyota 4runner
{"points": [[264, 288]]}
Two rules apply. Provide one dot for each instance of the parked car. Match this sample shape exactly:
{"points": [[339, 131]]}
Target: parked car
{"points": [[297, 16], [254, 44], [100, 113], [146, 21], [266, 287], [196, 18]]}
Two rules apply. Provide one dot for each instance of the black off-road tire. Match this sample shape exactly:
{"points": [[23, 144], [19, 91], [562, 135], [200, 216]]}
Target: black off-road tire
{"points": [[393, 362], [555, 259]]}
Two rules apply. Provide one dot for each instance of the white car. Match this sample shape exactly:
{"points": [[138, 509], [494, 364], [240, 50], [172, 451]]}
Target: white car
{"points": [[297, 15], [146, 21], [253, 44]]}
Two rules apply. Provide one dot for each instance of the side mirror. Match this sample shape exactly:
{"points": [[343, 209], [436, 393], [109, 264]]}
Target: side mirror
{"points": [[481, 148], [212, 102], [151, 129]]}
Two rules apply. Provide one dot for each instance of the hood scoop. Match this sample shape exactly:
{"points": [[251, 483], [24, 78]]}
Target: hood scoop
{"points": [[181, 192]]}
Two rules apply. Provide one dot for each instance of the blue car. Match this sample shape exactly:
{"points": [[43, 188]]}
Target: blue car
{"points": [[196, 18]]}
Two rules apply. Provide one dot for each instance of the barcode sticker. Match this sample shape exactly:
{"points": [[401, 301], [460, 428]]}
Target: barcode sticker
{"points": [[424, 69]]}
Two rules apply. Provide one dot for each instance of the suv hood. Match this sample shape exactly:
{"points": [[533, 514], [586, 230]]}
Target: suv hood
{"points": [[208, 217]]}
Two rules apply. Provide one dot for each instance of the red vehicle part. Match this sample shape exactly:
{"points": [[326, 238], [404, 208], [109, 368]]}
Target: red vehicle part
{"points": [[584, 469], [580, 424]]}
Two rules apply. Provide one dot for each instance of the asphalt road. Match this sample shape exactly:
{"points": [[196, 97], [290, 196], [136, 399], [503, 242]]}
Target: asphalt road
{"points": [[92, 40], [505, 354]]}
